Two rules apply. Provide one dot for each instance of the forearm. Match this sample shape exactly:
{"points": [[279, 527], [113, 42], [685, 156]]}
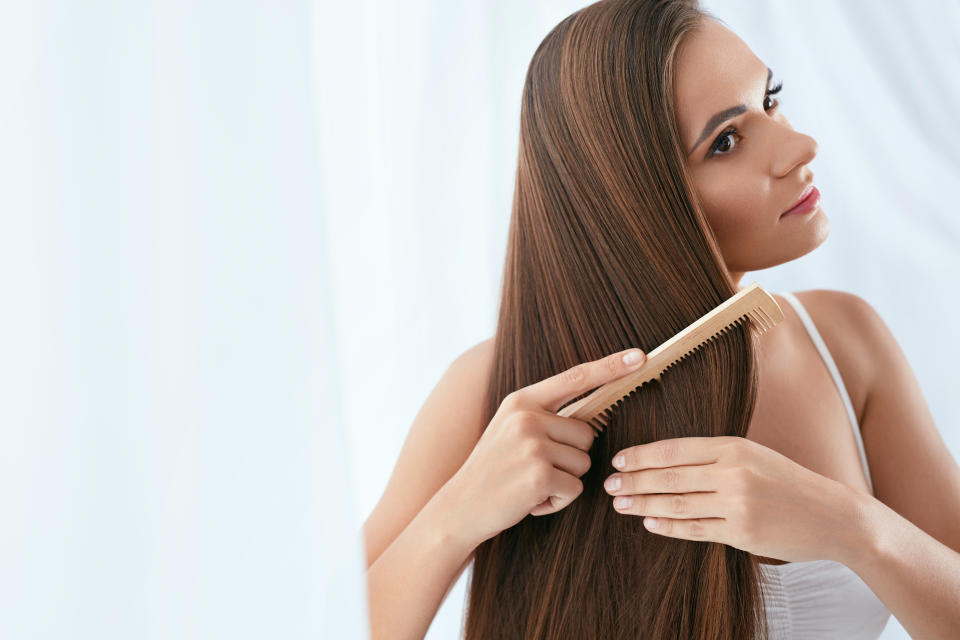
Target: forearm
{"points": [[916, 576], [409, 581]]}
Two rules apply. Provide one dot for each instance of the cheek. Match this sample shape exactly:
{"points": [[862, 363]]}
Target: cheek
{"points": [[735, 209]]}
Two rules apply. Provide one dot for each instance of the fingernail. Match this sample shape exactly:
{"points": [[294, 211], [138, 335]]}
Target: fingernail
{"points": [[622, 502], [651, 523], [618, 461], [612, 483], [633, 356]]}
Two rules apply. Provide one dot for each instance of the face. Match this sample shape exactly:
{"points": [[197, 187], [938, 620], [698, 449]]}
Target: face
{"points": [[749, 167]]}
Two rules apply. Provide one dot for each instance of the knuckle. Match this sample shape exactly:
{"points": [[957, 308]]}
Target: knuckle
{"points": [[702, 476], [695, 529], [525, 422], [539, 478], [512, 400], [611, 364], [730, 441], [735, 448], [678, 504], [745, 516], [535, 448], [748, 510], [575, 374], [743, 479], [670, 478], [741, 507], [666, 451]]}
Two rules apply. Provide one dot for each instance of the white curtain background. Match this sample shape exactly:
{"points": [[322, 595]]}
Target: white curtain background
{"points": [[172, 453], [420, 140], [241, 242]]}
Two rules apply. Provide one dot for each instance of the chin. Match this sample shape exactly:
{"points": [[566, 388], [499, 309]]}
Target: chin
{"points": [[816, 230], [814, 234], [793, 245]]}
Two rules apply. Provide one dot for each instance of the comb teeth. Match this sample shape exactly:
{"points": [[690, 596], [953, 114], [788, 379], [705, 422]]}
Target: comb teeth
{"points": [[603, 418], [761, 319], [752, 305]]}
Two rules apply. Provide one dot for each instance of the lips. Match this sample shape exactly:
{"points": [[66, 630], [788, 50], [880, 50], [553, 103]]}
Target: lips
{"points": [[800, 199]]}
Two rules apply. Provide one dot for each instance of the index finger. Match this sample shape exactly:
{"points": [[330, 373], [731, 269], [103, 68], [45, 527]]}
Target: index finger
{"points": [[671, 452], [553, 392]]}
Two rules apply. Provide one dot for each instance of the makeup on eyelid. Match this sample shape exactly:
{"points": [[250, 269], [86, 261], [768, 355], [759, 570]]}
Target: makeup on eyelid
{"points": [[714, 148]]}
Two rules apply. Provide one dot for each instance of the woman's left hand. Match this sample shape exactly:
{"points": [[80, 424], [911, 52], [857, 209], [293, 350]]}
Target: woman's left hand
{"points": [[735, 491]]}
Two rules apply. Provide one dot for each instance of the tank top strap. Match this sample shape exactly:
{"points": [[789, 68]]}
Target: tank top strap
{"points": [[835, 374]]}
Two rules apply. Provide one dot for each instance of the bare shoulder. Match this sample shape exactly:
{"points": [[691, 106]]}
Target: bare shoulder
{"points": [[441, 437], [468, 376], [458, 397], [475, 362], [849, 319], [853, 332]]}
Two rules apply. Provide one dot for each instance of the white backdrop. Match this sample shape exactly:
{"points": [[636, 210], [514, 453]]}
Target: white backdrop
{"points": [[220, 220], [420, 147], [171, 451]]}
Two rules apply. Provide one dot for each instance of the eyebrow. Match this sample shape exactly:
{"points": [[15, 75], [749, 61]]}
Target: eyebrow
{"points": [[721, 117]]}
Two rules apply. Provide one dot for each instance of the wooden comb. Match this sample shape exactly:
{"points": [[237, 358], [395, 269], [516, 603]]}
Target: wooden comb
{"points": [[752, 303]]}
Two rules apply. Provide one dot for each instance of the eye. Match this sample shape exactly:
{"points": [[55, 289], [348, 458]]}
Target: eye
{"points": [[719, 142], [771, 92]]}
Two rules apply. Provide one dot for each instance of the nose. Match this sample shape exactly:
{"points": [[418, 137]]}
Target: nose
{"points": [[793, 149]]}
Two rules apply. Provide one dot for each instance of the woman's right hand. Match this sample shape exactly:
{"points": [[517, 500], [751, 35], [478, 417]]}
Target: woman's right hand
{"points": [[529, 460]]}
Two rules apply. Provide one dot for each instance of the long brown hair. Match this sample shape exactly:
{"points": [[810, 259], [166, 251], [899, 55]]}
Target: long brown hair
{"points": [[608, 249]]}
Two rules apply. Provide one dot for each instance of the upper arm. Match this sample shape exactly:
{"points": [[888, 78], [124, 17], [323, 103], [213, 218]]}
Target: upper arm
{"points": [[911, 468], [440, 439]]}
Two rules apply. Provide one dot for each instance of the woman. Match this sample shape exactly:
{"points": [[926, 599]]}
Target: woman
{"points": [[797, 480]]}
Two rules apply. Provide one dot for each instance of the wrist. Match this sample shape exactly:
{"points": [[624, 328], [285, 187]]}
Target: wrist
{"points": [[860, 539], [450, 521]]}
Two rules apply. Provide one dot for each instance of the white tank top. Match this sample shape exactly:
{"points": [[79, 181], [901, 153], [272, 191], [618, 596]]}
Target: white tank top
{"points": [[822, 598]]}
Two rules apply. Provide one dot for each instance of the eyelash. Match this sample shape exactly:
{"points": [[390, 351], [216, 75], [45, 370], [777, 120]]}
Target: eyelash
{"points": [[729, 130]]}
